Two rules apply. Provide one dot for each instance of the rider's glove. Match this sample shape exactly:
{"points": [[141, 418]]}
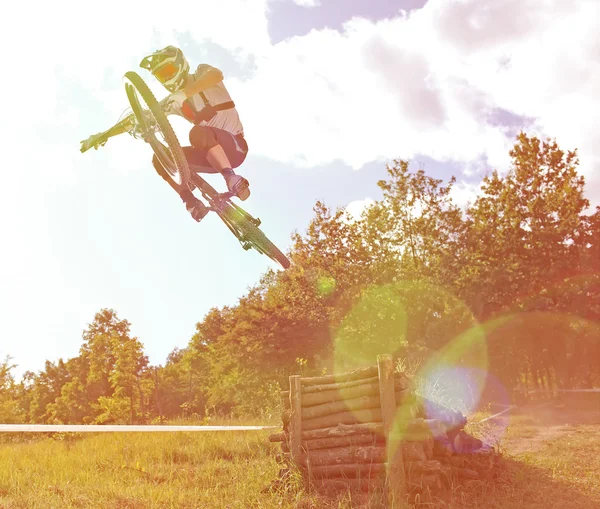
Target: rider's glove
{"points": [[178, 98], [183, 104]]}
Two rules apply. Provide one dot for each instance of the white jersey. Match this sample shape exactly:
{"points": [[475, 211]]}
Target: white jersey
{"points": [[228, 120]]}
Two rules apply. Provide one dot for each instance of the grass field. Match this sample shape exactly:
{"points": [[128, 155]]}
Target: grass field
{"points": [[551, 460]]}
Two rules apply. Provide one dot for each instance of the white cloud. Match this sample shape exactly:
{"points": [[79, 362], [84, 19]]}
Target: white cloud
{"points": [[307, 3], [357, 207], [426, 83], [66, 67], [464, 193], [431, 83]]}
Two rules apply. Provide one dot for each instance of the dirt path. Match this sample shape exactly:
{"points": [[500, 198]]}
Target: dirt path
{"points": [[520, 445], [547, 423]]}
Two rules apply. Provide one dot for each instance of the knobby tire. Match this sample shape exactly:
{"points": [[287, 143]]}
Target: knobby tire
{"points": [[232, 215], [253, 235], [163, 122]]}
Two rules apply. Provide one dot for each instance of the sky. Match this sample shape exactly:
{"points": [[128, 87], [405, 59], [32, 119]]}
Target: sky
{"points": [[329, 91]]}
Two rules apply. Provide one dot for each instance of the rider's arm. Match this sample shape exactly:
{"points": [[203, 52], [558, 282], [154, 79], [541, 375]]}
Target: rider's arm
{"points": [[206, 77], [100, 139], [122, 127]]}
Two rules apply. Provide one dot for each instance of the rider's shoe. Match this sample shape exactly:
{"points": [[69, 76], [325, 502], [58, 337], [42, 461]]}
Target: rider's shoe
{"points": [[193, 205], [237, 185], [197, 209]]}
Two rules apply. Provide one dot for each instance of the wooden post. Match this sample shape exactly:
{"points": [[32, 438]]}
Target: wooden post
{"points": [[295, 420], [395, 473]]}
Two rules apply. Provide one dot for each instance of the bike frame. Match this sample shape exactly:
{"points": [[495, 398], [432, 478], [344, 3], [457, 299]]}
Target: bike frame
{"points": [[217, 202], [242, 225]]}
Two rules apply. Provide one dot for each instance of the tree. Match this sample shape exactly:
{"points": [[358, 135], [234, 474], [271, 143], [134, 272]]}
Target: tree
{"points": [[526, 236], [45, 388], [11, 411]]}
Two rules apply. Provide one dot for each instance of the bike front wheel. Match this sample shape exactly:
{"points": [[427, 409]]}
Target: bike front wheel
{"points": [[152, 121]]}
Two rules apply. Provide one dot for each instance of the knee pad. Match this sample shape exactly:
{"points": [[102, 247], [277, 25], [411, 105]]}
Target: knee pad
{"points": [[203, 138]]}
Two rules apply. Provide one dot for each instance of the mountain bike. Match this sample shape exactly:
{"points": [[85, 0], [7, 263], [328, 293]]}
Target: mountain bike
{"points": [[146, 124]]}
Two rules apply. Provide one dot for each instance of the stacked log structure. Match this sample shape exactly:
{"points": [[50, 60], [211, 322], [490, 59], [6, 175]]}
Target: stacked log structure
{"points": [[343, 443]]}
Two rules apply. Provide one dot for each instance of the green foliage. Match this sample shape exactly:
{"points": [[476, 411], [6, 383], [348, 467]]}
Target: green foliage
{"points": [[10, 407], [509, 285]]}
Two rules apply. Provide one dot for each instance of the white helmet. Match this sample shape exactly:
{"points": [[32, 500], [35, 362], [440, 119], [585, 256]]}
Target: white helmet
{"points": [[168, 66]]}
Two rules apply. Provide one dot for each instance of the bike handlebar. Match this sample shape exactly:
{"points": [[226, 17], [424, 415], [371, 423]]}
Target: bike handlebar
{"points": [[100, 139], [125, 125]]}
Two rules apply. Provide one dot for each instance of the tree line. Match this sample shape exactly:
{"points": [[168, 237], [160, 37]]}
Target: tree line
{"points": [[518, 269]]}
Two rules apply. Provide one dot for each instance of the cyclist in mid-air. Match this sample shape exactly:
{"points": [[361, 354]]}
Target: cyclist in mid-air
{"points": [[217, 143], [217, 138]]}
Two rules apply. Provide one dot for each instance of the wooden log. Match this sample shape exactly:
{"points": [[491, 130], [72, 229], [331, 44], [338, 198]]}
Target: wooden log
{"points": [[457, 461], [395, 476], [446, 475], [343, 405], [442, 448], [351, 471], [331, 396], [464, 443], [340, 406], [421, 429], [413, 451], [428, 447], [426, 466], [295, 419], [338, 387], [343, 455], [334, 486], [284, 458], [369, 389], [352, 417], [319, 398], [422, 481], [465, 473], [401, 381], [345, 430], [278, 437], [357, 374], [326, 443], [400, 378]]}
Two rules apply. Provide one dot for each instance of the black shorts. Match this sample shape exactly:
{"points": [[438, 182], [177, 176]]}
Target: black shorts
{"points": [[235, 149]]}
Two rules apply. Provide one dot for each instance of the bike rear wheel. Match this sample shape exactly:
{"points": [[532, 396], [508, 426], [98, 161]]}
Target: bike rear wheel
{"points": [[249, 234], [171, 157]]}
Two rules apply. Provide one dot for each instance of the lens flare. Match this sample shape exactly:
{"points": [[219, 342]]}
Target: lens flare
{"points": [[416, 320], [325, 285], [456, 375], [377, 324]]}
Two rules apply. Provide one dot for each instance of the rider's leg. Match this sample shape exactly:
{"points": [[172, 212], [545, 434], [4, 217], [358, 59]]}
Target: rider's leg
{"points": [[217, 158], [216, 146], [194, 206]]}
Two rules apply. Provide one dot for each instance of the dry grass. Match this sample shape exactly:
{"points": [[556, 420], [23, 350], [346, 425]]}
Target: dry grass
{"points": [[547, 464]]}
